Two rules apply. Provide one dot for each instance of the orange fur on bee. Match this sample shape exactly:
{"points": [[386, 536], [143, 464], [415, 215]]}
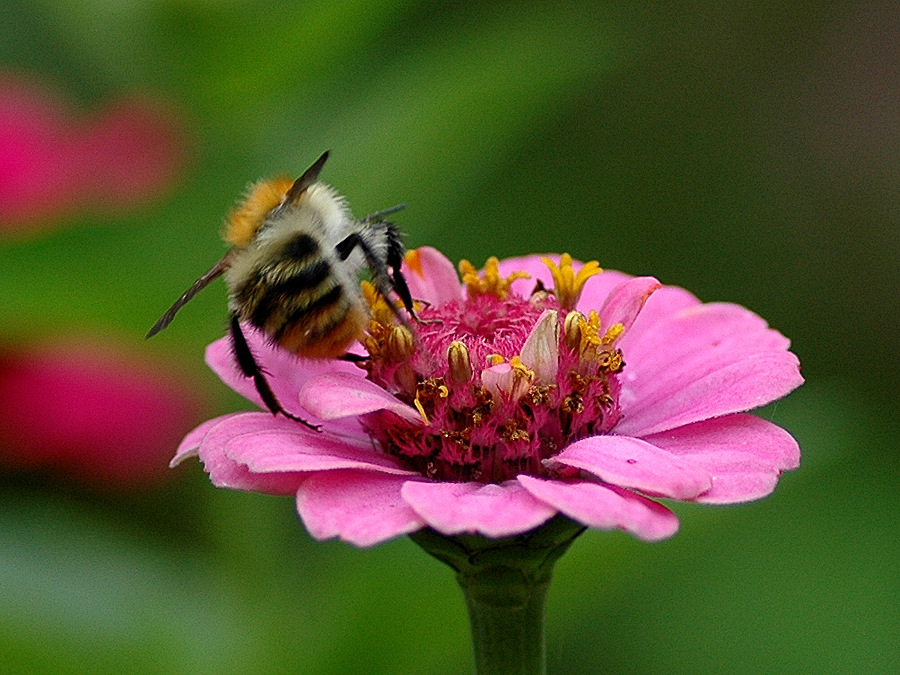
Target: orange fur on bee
{"points": [[327, 345], [248, 217]]}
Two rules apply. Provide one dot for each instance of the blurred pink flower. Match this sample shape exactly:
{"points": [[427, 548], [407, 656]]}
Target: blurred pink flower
{"points": [[535, 388], [90, 412], [53, 165]]}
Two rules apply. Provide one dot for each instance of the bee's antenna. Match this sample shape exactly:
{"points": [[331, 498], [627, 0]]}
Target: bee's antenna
{"points": [[379, 215]]}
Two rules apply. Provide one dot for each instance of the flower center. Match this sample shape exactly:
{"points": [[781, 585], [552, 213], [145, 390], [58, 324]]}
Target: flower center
{"points": [[501, 382]]}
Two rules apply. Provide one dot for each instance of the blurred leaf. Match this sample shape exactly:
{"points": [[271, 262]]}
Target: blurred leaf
{"points": [[80, 594]]}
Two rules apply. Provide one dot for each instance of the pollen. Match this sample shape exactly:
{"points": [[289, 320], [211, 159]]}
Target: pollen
{"points": [[379, 307], [612, 333], [566, 283], [589, 339], [429, 394], [490, 282]]}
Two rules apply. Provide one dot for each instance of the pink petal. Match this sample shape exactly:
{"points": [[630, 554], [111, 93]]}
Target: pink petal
{"points": [[598, 288], [702, 362], [434, 279], [220, 358], [225, 472], [491, 510], [500, 381], [301, 449], [744, 454], [605, 507], [636, 464], [688, 334], [626, 300], [361, 508], [693, 397], [338, 395], [664, 303], [735, 487], [188, 446], [533, 265], [285, 372]]}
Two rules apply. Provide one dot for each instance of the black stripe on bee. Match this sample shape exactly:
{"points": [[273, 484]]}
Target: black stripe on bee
{"points": [[294, 297], [301, 247], [277, 288], [301, 280], [321, 304], [290, 316]]}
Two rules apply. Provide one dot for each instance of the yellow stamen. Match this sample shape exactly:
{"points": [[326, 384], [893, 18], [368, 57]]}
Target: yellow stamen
{"points": [[610, 360], [421, 410], [568, 285], [490, 282], [612, 333], [514, 382], [572, 329], [583, 334], [400, 344], [517, 365], [379, 308], [590, 333], [458, 360], [427, 392]]}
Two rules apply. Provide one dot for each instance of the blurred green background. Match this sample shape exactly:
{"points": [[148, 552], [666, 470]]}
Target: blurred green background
{"points": [[747, 151]]}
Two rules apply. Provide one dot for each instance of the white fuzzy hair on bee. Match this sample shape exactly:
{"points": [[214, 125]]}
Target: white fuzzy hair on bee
{"points": [[293, 272]]}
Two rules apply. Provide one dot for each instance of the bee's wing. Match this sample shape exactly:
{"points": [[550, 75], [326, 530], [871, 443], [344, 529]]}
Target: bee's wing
{"points": [[310, 176], [214, 273]]}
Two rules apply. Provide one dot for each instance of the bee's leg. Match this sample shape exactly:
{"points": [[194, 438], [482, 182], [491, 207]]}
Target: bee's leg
{"points": [[384, 280], [353, 358], [251, 368], [395, 262]]}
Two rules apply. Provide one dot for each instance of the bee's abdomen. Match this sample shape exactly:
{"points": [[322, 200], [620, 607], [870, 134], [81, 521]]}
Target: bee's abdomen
{"points": [[298, 302]]}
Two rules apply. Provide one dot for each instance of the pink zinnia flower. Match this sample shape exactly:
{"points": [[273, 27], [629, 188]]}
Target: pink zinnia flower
{"points": [[538, 387], [55, 163], [88, 411]]}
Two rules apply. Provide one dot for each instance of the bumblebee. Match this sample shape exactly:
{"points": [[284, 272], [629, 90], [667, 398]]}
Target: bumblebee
{"points": [[293, 272]]}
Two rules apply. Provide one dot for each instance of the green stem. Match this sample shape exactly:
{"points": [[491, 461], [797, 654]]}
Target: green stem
{"points": [[505, 583], [507, 623]]}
